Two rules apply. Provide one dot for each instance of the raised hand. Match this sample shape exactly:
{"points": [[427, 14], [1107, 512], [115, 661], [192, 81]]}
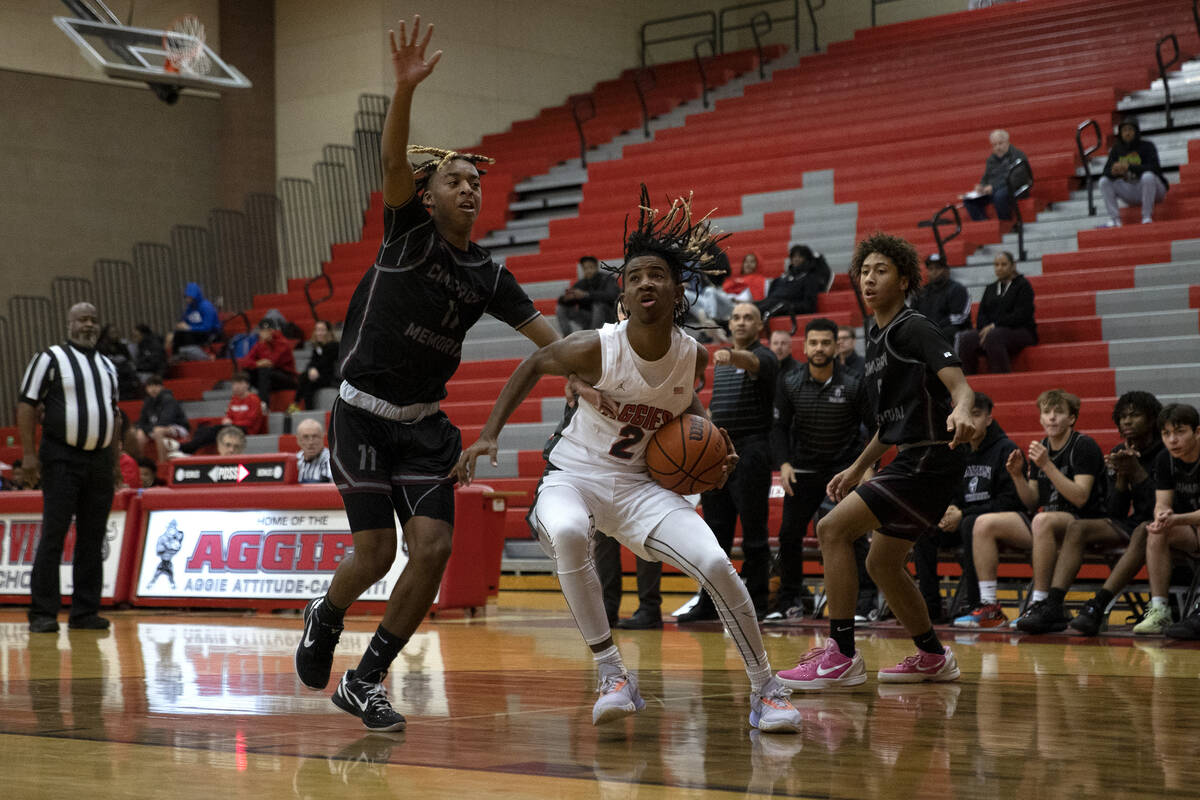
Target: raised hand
{"points": [[1015, 463], [1039, 455], [408, 57], [464, 470], [959, 422]]}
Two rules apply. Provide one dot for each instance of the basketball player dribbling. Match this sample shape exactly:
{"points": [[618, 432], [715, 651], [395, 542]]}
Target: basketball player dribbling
{"points": [[391, 447], [596, 476], [923, 406]]}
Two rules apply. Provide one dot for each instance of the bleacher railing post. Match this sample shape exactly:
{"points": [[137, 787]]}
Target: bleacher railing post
{"points": [[1015, 193], [936, 222], [1162, 71], [812, 17], [576, 102], [1083, 157], [639, 76], [712, 46]]}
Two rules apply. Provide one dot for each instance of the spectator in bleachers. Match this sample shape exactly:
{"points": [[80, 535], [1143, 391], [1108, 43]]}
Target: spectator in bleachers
{"points": [[1129, 504], [796, 291], [1005, 324], [992, 188], [271, 364], [588, 303], [151, 356], [127, 465], [781, 345], [847, 356], [709, 307], [322, 365], [944, 301], [162, 418], [129, 387], [987, 490], [244, 412], [822, 415], [147, 474], [1133, 174], [199, 327], [749, 284], [231, 441], [312, 462], [1176, 516]]}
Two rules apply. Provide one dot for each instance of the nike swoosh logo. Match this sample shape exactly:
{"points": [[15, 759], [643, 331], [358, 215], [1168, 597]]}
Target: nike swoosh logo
{"points": [[823, 672], [309, 642], [373, 650], [362, 704]]}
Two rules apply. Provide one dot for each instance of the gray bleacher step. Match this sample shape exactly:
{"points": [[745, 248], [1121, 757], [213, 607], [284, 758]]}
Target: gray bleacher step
{"points": [[500, 253], [1184, 83], [524, 548], [548, 199], [515, 346], [541, 290], [1185, 250], [528, 235], [539, 221], [262, 443], [552, 409], [1128, 301], [527, 566], [1175, 273], [525, 435], [222, 393], [205, 408], [507, 467], [1158, 324], [1159, 379], [275, 420], [557, 177], [1165, 350], [1180, 117]]}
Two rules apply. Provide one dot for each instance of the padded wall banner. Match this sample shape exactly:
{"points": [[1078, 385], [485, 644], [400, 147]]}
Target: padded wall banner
{"points": [[19, 535], [281, 554]]}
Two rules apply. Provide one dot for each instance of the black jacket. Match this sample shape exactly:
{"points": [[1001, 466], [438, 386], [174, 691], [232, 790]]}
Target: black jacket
{"points": [[162, 410], [986, 486], [1140, 155], [947, 304], [601, 288], [1013, 310], [324, 359]]}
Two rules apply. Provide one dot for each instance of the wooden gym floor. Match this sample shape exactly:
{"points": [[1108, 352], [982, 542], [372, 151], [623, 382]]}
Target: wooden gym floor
{"points": [[206, 705]]}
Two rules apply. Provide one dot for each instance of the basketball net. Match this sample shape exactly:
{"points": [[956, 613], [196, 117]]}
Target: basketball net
{"points": [[183, 42]]}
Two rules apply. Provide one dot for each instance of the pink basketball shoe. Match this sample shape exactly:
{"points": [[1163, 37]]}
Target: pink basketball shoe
{"points": [[825, 668], [922, 667]]}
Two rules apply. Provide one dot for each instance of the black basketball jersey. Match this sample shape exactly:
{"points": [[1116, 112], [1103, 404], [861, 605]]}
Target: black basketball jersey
{"points": [[405, 326], [1180, 477], [1080, 455], [911, 403]]}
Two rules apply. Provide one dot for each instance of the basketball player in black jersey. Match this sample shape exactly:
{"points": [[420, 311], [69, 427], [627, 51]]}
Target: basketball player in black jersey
{"points": [[923, 406], [391, 447]]}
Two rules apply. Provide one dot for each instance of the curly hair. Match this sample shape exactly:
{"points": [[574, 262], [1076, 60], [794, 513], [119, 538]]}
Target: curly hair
{"points": [[441, 157], [687, 247], [895, 249], [1143, 402]]}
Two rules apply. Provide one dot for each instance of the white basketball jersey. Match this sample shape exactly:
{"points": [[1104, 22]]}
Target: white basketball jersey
{"points": [[596, 442]]}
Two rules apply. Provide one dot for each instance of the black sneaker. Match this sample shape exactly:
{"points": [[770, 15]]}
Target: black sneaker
{"points": [[1090, 620], [1043, 617], [641, 621], [314, 654], [368, 702], [92, 622], [1186, 628], [703, 611], [43, 625]]}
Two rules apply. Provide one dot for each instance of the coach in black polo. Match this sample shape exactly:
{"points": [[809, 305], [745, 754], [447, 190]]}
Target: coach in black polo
{"points": [[821, 411], [77, 390]]}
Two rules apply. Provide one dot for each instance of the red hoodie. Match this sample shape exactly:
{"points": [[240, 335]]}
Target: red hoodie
{"points": [[246, 412], [278, 350]]}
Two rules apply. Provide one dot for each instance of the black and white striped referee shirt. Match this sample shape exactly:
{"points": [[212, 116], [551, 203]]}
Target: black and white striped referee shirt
{"points": [[78, 387], [315, 471]]}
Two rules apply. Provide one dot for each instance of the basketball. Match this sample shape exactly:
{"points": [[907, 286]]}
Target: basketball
{"points": [[686, 455]]}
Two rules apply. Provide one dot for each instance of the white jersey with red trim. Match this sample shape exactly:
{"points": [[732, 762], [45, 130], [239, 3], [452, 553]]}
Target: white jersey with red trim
{"points": [[597, 443]]}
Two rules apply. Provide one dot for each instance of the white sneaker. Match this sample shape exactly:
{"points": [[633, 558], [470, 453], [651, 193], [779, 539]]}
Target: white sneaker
{"points": [[1155, 622], [771, 711], [619, 696], [1146, 220], [172, 448]]}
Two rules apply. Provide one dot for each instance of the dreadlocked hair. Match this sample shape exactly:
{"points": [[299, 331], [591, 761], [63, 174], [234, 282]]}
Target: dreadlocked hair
{"points": [[689, 247], [441, 157]]}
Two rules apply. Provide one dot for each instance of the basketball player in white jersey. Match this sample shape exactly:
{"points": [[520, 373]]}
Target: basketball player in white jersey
{"points": [[596, 474]]}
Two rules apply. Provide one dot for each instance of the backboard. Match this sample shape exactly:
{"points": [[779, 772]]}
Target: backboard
{"points": [[137, 54]]}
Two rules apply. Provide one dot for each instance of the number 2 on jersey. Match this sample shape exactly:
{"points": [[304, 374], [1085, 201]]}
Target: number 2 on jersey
{"points": [[630, 436]]}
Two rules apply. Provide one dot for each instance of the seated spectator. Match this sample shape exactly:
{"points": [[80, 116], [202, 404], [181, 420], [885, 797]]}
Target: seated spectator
{"points": [[781, 345], [588, 303], [129, 386], [987, 488], [1129, 504], [199, 327], [322, 366], [231, 441], [749, 284], [271, 364], [1005, 323], [796, 291], [312, 462], [162, 418], [244, 412], [946, 302], [147, 474], [151, 356], [128, 467], [992, 188], [847, 356], [1133, 174]]}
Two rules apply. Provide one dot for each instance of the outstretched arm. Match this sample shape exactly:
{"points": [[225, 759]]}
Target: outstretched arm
{"points": [[408, 61], [579, 353]]}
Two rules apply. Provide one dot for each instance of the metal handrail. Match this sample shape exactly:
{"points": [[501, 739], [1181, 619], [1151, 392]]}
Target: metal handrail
{"points": [[704, 87], [308, 284], [576, 102], [641, 93], [1196, 15], [1162, 71], [766, 19], [1083, 157], [794, 19], [875, 3], [936, 223], [711, 33], [1015, 194], [812, 17]]}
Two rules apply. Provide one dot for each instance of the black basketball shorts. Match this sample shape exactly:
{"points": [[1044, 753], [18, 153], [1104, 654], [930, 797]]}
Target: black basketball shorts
{"points": [[910, 495], [407, 464]]}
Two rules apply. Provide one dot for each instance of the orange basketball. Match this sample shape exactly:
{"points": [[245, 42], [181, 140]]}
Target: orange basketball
{"points": [[686, 455]]}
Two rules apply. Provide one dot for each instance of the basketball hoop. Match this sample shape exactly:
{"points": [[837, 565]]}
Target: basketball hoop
{"points": [[183, 42]]}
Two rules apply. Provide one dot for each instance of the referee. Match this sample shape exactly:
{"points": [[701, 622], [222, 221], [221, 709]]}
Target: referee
{"points": [[76, 388]]}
